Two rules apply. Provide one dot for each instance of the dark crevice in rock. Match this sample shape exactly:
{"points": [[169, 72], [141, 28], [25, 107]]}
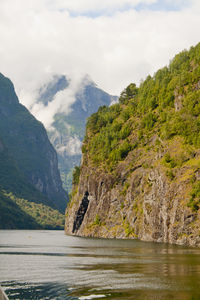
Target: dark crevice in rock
{"points": [[134, 219], [81, 212]]}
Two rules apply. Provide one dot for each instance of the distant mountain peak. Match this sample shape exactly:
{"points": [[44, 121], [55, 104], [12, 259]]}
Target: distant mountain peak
{"points": [[48, 91], [7, 90], [87, 80], [68, 129]]}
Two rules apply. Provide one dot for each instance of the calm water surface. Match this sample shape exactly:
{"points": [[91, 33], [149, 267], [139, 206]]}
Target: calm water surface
{"points": [[49, 265]]}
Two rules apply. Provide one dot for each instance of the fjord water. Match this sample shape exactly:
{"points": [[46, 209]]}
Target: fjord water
{"points": [[51, 265]]}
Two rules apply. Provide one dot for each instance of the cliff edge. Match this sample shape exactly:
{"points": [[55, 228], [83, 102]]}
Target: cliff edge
{"points": [[140, 171], [26, 152]]}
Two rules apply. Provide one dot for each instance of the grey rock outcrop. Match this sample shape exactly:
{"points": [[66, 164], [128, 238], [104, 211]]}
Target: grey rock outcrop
{"points": [[138, 202]]}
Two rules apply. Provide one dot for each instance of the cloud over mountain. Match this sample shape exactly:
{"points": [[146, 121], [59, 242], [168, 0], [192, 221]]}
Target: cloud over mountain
{"points": [[116, 42]]}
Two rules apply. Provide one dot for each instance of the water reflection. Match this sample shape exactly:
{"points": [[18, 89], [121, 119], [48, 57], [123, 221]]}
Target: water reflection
{"points": [[50, 265], [18, 290]]}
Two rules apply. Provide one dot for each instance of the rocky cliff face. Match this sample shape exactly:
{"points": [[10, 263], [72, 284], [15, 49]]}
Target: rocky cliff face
{"points": [[139, 201], [140, 171], [28, 145]]}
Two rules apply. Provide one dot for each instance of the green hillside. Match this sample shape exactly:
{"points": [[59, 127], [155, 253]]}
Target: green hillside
{"points": [[16, 212], [13, 180], [27, 142], [30, 187], [140, 172], [165, 105], [13, 217]]}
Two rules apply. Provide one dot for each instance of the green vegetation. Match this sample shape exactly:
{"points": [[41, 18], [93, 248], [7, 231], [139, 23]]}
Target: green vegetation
{"points": [[27, 166], [13, 217], [125, 188], [21, 205], [13, 180], [76, 175], [170, 174], [160, 118], [109, 135], [97, 220], [194, 202], [44, 215], [129, 231], [169, 161], [22, 214], [165, 105], [28, 159]]}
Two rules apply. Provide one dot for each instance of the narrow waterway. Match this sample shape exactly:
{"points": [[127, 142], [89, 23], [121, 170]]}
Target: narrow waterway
{"points": [[51, 265]]}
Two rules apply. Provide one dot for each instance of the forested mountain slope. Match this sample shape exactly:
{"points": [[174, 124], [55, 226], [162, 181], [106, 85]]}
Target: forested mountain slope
{"points": [[28, 165], [140, 176]]}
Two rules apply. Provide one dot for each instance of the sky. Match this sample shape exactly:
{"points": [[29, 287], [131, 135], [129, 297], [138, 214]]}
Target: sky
{"points": [[115, 42]]}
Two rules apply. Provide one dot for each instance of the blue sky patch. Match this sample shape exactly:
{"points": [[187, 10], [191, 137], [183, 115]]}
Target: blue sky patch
{"points": [[159, 5], [164, 5]]}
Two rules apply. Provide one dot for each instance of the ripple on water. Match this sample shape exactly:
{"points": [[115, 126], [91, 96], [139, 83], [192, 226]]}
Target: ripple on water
{"points": [[48, 265], [91, 297]]}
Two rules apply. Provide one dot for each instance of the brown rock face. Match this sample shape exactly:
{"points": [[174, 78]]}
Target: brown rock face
{"points": [[141, 161], [138, 200]]}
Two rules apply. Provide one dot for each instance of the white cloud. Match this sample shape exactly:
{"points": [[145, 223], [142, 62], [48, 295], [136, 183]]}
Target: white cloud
{"points": [[82, 6], [61, 103], [71, 147], [39, 38]]}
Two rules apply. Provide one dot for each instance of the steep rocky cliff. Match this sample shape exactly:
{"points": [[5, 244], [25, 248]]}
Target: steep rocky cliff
{"points": [[140, 171], [26, 143]]}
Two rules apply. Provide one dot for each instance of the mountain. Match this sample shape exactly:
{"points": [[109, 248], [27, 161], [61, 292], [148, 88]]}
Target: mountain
{"points": [[13, 217], [140, 171], [29, 172], [68, 128]]}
